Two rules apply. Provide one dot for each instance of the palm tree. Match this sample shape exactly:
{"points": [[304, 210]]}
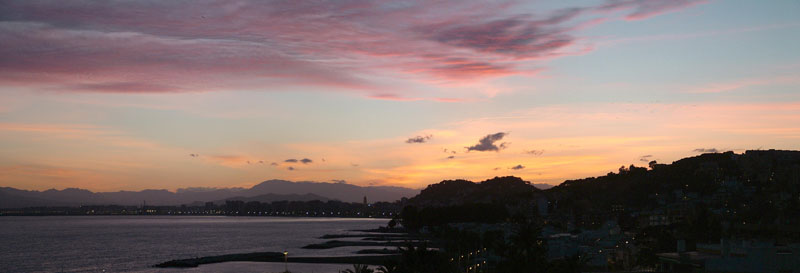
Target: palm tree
{"points": [[389, 266], [419, 259], [389, 269], [359, 268], [526, 251]]}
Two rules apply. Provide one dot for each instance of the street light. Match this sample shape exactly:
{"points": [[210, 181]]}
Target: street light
{"points": [[286, 261]]}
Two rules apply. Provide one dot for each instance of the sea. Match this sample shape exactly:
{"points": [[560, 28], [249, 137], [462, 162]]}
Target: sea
{"points": [[136, 243]]}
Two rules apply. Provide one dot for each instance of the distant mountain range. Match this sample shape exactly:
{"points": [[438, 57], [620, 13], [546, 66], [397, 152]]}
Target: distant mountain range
{"points": [[267, 191], [542, 186], [271, 197]]}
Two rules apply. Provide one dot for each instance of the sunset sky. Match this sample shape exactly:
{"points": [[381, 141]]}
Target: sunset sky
{"points": [[131, 95]]}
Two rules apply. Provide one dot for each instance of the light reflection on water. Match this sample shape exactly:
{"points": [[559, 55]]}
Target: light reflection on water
{"points": [[133, 243]]}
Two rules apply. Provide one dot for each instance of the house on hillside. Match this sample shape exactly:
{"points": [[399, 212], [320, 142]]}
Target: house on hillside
{"points": [[745, 256]]}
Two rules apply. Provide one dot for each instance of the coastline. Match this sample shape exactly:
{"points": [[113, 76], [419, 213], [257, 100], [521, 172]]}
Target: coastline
{"points": [[135, 244], [275, 257], [385, 237]]}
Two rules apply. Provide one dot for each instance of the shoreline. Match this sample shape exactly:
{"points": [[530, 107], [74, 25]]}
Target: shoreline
{"points": [[275, 257], [386, 237], [6, 214]]}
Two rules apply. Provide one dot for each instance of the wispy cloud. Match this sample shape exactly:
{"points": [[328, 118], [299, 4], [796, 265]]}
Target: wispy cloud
{"points": [[234, 161], [131, 47], [533, 152], [79, 132], [518, 167], [744, 83], [393, 97], [123, 87], [642, 9], [695, 35], [38, 170]]}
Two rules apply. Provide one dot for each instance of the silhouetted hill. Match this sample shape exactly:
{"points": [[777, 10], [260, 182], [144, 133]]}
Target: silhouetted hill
{"points": [[759, 189], [772, 177], [457, 192], [290, 191], [766, 171], [14, 198]]}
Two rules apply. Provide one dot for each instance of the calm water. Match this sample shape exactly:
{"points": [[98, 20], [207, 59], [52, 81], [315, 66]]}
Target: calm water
{"points": [[134, 243]]}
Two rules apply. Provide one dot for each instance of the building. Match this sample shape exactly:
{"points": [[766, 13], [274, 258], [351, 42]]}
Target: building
{"points": [[743, 256]]}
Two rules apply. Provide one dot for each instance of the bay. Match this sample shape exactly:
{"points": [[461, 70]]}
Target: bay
{"points": [[134, 243]]}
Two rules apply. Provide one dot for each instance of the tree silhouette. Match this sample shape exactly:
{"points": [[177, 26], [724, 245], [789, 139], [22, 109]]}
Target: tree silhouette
{"points": [[358, 268], [526, 252]]}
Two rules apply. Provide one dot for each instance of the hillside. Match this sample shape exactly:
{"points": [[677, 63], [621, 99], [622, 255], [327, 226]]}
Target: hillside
{"points": [[768, 174], [457, 192], [763, 186]]}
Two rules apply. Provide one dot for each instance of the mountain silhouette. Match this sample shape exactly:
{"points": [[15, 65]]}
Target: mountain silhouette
{"points": [[270, 190], [458, 192], [339, 191], [271, 197]]}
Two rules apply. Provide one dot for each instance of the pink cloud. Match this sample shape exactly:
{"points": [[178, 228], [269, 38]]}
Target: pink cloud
{"points": [[87, 60], [702, 34], [394, 97], [79, 132], [467, 69], [744, 83], [643, 9], [126, 87], [77, 129], [517, 36], [37, 170], [448, 99], [161, 47], [228, 159]]}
